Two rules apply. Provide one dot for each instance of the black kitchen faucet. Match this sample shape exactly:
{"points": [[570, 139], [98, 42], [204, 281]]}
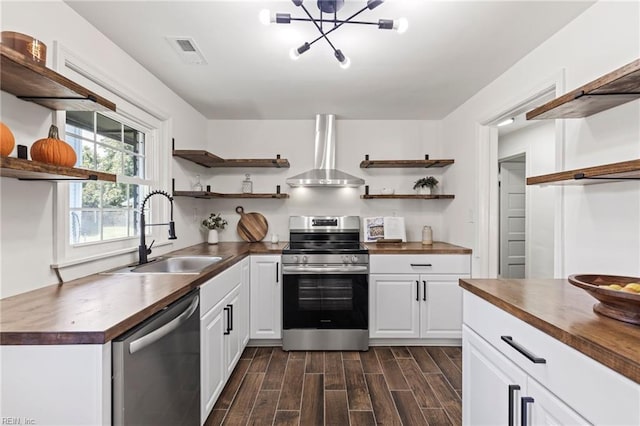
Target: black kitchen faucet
{"points": [[143, 250]]}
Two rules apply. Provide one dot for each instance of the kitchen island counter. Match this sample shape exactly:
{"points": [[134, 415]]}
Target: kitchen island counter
{"points": [[565, 312], [99, 307]]}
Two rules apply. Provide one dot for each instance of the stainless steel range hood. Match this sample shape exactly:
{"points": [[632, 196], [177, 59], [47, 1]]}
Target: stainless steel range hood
{"points": [[324, 172]]}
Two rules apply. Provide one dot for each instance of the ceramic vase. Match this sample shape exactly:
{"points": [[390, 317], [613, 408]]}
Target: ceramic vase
{"points": [[424, 190], [212, 237]]}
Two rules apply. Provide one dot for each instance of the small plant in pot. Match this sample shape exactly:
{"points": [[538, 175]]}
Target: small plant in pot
{"points": [[212, 224], [425, 185]]}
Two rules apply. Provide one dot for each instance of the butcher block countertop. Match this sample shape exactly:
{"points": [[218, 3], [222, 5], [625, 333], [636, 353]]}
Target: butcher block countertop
{"points": [[565, 312], [412, 247], [97, 308]]}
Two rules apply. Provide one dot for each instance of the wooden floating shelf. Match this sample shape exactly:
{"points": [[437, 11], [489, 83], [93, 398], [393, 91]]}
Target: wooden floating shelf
{"points": [[205, 194], [613, 89], [36, 83], [379, 164], [33, 170], [207, 159], [626, 170], [407, 197]]}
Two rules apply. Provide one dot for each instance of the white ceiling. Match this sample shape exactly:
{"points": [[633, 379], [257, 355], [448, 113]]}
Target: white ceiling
{"points": [[451, 50]]}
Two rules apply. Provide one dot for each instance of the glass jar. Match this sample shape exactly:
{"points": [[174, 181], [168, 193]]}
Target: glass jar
{"points": [[247, 185], [197, 186], [427, 235]]}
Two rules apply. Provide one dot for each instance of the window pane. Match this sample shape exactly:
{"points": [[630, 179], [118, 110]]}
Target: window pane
{"points": [[85, 195], [109, 160], [88, 156], [133, 140], [134, 223], [109, 131], [80, 120], [89, 226], [114, 195], [137, 194], [133, 165], [114, 224]]}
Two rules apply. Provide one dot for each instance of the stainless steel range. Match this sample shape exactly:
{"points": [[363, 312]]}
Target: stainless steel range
{"points": [[325, 285]]}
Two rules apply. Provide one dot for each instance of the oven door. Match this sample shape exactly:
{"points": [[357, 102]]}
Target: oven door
{"points": [[325, 301]]}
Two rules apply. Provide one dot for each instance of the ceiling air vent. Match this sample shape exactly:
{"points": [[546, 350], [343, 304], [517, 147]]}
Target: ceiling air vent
{"points": [[187, 50]]}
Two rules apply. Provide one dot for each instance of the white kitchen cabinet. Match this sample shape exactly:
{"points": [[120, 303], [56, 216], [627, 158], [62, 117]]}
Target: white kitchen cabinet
{"points": [[495, 383], [55, 384], [266, 297], [561, 386], [497, 392], [416, 296], [212, 358], [223, 331]]}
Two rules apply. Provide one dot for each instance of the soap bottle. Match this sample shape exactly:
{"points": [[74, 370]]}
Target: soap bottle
{"points": [[427, 235]]}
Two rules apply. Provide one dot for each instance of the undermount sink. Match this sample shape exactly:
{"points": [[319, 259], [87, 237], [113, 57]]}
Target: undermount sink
{"points": [[172, 265]]}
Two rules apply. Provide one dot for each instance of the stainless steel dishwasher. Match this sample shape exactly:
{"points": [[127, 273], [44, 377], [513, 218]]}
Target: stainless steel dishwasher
{"points": [[156, 368]]}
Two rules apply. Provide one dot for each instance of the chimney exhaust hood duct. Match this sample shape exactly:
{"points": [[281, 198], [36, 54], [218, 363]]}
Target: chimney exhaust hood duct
{"points": [[324, 172]]}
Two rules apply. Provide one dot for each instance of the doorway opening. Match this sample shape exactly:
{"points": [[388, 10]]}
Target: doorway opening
{"points": [[521, 228]]}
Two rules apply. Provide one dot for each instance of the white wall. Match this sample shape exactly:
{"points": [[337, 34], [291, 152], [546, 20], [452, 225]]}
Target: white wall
{"points": [[600, 226], [26, 211], [537, 141], [294, 140]]}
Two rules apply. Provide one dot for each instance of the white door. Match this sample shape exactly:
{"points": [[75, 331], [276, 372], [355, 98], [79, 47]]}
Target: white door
{"points": [[266, 297], [394, 305], [512, 220], [212, 354], [441, 311], [490, 382]]}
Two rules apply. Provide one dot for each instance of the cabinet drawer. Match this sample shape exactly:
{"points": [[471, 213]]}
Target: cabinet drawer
{"points": [[599, 394], [420, 264], [214, 290]]}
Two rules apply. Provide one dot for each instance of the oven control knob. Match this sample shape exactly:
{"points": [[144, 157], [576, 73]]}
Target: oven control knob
{"points": [[295, 259], [304, 259], [345, 259], [354, 258]]}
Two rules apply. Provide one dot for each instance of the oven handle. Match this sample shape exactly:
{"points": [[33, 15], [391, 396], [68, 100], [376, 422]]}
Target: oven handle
{"points": [[298, 270]]}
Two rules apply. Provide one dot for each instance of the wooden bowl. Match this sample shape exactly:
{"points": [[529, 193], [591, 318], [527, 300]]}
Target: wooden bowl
{"points": [[32, 49], [615, 304]]}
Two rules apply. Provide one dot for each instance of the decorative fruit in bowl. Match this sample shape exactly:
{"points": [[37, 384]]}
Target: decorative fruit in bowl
{"points": [[52, 150], [7, 140], [618, 296]]}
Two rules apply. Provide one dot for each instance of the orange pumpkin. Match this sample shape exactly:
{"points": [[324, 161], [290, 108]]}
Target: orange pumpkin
{"points": [[52, 150], [7, 140]]}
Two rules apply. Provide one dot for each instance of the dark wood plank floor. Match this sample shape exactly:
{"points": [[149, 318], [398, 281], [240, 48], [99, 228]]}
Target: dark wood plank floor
{"points": [[386, 385]]}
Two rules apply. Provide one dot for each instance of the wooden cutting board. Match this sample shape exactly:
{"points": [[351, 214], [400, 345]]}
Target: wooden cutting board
{"points": [[252, 226]]}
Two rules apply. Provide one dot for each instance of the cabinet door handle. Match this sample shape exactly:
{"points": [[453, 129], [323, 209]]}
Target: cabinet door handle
{"points": [[512, 389], [421, 264], [524, 420], [424, 291], [230, 318], [417, 291], [227, 310], [277, 272], [531, 357]]}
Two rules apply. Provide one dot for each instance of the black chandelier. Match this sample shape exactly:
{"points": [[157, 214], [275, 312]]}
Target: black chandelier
{"points": [[331, 8]]}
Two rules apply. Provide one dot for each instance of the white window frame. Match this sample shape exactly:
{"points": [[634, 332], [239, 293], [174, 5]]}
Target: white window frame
{"points": [[135, 111]]}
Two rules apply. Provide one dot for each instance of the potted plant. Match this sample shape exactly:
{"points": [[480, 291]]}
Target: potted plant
{"points": [[213, 223], [425, 185]]}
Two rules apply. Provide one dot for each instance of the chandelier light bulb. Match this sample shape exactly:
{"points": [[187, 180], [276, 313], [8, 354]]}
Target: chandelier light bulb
{"points": [[265, 17], [401, 25], [346, 63], [293, 54]]}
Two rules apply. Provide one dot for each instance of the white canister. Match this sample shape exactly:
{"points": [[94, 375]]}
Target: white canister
{"points": [[427, 235]]}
